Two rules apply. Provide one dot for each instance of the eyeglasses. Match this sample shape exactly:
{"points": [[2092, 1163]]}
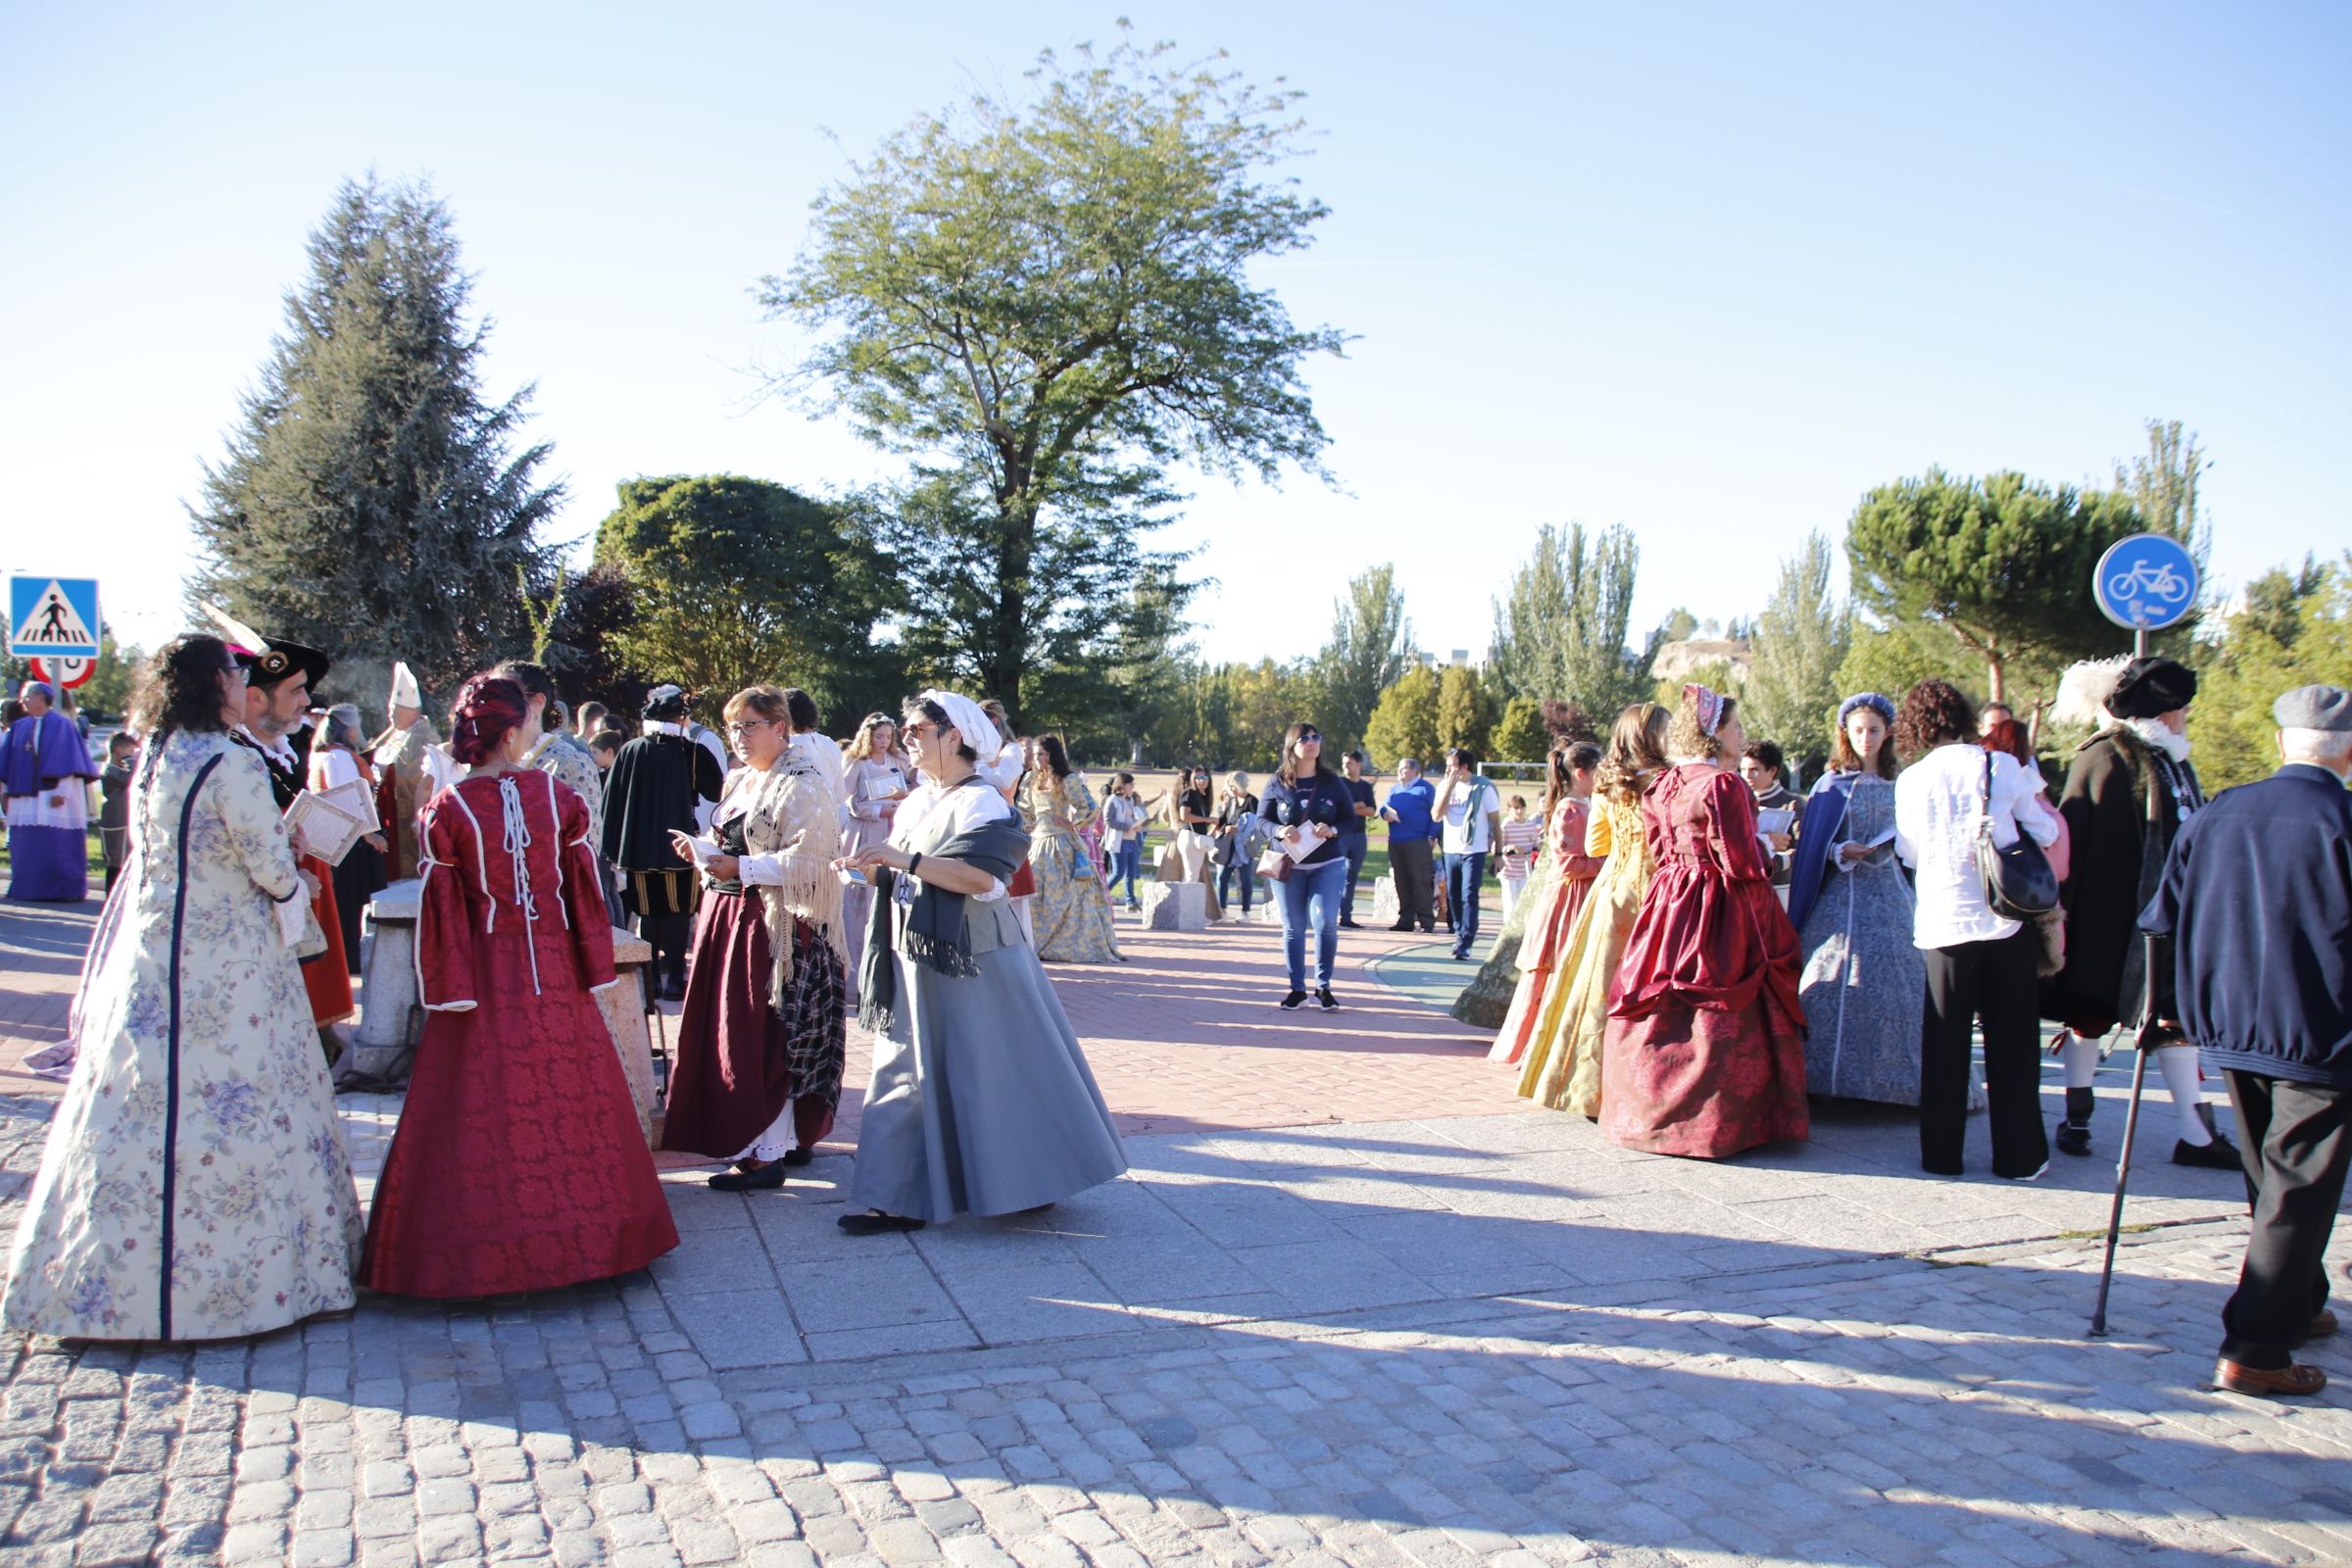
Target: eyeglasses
{"points": [[918, 728], [1307, 735], [739, 731]]}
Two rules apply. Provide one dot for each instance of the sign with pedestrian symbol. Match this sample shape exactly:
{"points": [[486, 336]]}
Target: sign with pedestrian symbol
{"points": [[53, 617]]}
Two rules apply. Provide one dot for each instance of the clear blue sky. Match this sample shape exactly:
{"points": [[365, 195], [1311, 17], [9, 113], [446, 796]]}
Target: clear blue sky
{"points": [[1709, 271]]}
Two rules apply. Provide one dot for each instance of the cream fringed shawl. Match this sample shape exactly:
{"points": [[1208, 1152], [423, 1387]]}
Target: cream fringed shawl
{"points": [[790, 814]]}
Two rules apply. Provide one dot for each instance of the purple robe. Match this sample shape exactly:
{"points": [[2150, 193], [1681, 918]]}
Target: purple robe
{"points": [[44, 774]]}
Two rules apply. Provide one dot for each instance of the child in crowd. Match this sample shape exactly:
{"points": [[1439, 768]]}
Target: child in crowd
{"points": [[1522, 835]]}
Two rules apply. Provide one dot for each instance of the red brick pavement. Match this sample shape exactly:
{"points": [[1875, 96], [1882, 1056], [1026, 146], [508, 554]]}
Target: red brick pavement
{"points": [[1183, 1037]]}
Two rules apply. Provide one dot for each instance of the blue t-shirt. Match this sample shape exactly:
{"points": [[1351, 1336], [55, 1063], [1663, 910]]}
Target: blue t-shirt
{"points": [[1411, 804]]}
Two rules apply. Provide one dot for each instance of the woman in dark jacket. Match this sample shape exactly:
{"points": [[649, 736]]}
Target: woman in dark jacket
{"points": [[1306, 802]]}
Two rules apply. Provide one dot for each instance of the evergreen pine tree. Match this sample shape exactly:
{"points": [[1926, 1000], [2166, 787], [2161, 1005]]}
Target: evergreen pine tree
{"points": [[370, 502]]}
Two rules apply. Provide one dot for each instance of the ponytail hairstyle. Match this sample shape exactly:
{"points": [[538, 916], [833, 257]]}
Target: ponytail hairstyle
{"points": [[486, 708], [183, 688], [1558, 776]]}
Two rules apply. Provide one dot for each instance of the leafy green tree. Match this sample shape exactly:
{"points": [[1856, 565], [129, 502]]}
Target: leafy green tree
{"points": [[2004, 562], [1791, 691], [1404, 722], [1371, 644], [736, 581], [2295, 630], [1520, 735], [1268, 698], [1142, 690], [594, 615], [1048, 302], [2166, 487], [1560, 629], [1890, 660], [371, 500], [109, 688], [1465, 712]]}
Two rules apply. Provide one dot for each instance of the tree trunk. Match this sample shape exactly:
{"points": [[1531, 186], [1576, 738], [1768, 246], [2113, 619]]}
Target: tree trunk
{"points": [[1996, 676]]}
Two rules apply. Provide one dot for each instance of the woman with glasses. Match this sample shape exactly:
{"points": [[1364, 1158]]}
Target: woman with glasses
{"points": [[194, 1184], [760, 1042], [1306, 802], [877, 776], [981, 1100]]}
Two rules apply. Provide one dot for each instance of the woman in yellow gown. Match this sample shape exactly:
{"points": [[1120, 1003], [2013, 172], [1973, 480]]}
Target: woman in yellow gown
{"points": [[1563, 1055]]}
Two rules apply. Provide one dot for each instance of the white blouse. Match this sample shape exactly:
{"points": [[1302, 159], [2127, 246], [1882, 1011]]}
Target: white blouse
{"points": [[965, 807], [1937, 809]]}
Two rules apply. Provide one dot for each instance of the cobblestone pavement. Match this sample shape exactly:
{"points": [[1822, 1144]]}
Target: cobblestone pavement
{"points": [[1440, 1339]]}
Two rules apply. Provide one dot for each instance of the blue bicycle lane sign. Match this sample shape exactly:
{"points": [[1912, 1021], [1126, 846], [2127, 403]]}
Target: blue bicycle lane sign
{"points": [[2146, 582]]}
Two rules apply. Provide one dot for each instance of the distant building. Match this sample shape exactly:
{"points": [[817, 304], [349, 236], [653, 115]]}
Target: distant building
{"points": [[1677, 660]]}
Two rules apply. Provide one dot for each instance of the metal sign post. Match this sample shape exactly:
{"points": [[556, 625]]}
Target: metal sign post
{"points": [[2147, 583]]}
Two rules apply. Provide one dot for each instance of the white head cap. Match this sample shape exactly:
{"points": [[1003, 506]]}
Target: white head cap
{"points": [[964, 714], [404, 692]]}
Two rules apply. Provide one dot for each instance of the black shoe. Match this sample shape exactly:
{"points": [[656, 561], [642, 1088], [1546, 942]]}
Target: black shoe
{"points": [[1431, 930], [2219, 1155], [1402, 925], [798, 1156], [766, 1178], [1326, 1000], [1349, 926], [876, 1223], [2071, 1138], [1293, 1000]]}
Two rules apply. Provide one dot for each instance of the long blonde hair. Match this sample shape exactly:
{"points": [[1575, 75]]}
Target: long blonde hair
{"points": [[861, 745], [1637, 751]]}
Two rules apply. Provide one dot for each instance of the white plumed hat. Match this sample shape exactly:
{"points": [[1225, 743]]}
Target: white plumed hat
{"points": [[405, 690], [2082, 692]]}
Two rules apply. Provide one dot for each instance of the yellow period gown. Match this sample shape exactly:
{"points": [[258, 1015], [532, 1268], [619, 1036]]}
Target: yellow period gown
{"points": [[1563, 1055]]}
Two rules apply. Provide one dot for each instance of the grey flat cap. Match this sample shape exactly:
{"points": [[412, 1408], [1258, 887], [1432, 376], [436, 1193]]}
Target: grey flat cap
{"points": [[2325, 707]]}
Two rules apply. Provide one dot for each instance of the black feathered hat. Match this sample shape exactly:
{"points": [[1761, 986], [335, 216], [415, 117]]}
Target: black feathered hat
{"points": [[2148, 687]]}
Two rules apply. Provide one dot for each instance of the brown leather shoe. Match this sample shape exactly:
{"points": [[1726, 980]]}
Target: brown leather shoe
{"points": [[2321, 1326], [2295, 1378]]}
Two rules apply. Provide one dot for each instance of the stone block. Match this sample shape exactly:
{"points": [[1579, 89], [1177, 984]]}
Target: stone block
{"points": [[391, 1021], [623, 1007], [1176, 906], [1384, 902]]}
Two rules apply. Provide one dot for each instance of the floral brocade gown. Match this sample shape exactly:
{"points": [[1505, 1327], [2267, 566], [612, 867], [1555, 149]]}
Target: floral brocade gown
{"points": [[195, 1185], [1863, 983], [1071, 912], [1562, 1066]]}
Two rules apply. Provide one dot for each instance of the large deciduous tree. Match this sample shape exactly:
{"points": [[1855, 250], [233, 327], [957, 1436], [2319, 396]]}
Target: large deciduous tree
{"points": [[2004, 562], [1802, 637], [1371, 644], [372, 501], [1560, 628], [1404, 722], [736, 581], [1047, 301], [2295, 629]]}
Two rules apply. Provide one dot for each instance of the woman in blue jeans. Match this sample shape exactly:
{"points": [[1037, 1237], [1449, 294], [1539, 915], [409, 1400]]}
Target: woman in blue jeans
{"points": [[1306, 802], [1123, 817], [1238, 804]]}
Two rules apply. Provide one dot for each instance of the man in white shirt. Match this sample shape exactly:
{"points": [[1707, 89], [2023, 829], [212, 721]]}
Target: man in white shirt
{"points": [[822, 750], [1469, 812]]}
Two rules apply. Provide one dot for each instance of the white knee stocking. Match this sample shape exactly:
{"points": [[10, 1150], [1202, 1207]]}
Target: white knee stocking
{"points": [[2179, 1066], [2082, 1062]]}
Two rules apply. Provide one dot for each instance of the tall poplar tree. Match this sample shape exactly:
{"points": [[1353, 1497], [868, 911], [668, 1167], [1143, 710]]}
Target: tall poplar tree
{"points": [[1791, 693], [372, 501], [1560, 628], [1371, 644]]}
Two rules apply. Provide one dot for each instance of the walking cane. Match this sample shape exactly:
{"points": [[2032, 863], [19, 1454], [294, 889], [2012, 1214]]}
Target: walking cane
{"points": [[2139, 1078]]}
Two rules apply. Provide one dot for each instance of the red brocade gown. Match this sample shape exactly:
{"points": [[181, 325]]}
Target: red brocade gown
{"points": [[1705, 1051], [517, 1163]]}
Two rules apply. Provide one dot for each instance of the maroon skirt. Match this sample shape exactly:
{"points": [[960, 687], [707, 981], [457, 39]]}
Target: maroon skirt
{"points": [[737, 1060]]}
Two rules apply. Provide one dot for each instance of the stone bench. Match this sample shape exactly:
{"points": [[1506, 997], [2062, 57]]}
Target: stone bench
{"points": [[1175, 906], [392, 1017]]}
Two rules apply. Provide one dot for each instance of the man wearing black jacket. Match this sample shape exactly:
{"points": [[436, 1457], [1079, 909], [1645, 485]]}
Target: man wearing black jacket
{"points": [[2257, 898]]}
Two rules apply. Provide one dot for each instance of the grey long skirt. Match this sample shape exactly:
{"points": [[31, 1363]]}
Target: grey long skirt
{"points": [[981, 1100]]}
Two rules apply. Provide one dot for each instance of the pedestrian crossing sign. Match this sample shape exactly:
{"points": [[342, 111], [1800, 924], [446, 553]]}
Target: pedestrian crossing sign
{"points": [[53, 617]]}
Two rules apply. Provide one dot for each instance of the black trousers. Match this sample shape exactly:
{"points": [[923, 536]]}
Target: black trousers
{"points": [[1415, 869], [1995, 982], [2296, 1139]]}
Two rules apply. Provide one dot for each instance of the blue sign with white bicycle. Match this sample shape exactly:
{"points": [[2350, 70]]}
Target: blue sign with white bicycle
{"points": [[2146, 582], [53, 617]]}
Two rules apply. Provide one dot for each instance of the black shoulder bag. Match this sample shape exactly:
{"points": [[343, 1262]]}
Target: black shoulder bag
{"points": [[2018, 881]]}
